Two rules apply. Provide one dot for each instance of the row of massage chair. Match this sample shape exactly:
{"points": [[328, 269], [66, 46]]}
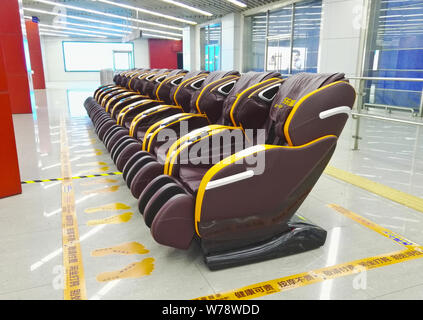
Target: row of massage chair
{"points": [[222, 157]]}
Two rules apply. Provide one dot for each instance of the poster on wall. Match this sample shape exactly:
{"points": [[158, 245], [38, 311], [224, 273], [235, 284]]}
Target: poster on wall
{"points": [[278, 58]]}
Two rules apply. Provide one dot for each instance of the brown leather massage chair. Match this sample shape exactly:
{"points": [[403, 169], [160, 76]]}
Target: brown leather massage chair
{"points": [[147, 161], [241, 209], [92, 104], [129, 138], [135, 87], [147, 91], [165, 102]]}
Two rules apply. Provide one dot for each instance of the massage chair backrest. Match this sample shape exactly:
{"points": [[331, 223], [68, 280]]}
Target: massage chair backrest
{"points": [[141, 80], [127, 76], [118, 77], [296, 116], [181, 94], [165, 90], [249, 102], [214, 91], [159, 81], [133, 81]]}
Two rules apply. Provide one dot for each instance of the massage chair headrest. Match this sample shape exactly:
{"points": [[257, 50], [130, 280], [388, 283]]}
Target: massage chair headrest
{"points": [[144, 78], [248, 103], [296, 110], [127, 76], [182, 93], [150, 87], [215, 88]]}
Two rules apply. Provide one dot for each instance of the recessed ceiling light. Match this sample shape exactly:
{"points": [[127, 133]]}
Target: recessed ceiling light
{"points": [[183, 5], [237, 3]]}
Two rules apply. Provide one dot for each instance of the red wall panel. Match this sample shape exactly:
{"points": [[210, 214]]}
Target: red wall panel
{"points": [[9, 173], [34, 46], [11, 41], [163, 53]]}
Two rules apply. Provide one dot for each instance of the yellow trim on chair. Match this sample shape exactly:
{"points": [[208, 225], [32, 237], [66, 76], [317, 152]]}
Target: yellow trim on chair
{"points": [[246, 91], [230, 160], [297, 105], [155, 126], [230, 77], [188, 116], [166, 81], [112, 112], [186, 145], [130, 107], [186, 137], [184, 84], [119, 96], [148, 112]]}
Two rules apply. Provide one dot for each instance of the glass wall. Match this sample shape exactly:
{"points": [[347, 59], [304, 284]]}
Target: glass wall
{"points": [[395, 49], [286, 39], [210, 43]]}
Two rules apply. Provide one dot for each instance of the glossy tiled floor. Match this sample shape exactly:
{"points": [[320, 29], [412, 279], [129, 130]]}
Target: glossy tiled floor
{"points": [[31, 233]]}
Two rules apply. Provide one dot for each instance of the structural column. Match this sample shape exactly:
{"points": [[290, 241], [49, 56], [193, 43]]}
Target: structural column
{"points": [[15, 70], [9, 174], [35, 54]]}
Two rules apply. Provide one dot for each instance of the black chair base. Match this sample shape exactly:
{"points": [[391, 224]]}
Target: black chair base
{"points": [[300, 237]]}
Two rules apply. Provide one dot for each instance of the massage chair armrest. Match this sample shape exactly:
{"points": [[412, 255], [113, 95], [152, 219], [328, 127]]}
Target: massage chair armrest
{"points": [[261, 185], [209, 149]]}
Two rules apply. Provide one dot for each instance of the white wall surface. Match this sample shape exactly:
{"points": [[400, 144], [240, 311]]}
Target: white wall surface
{"points": [[54, 68], [343, 23]]}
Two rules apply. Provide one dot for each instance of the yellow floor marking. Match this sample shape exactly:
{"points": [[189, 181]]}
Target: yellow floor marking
{"points": [[318, 275], [93, 171], [98, 181], [392, 194], [120, 218], [108, 207], [124, 249], [88, 164], [75, 288], [89, 150], [373, 226], [133, 270], [104, 190]]}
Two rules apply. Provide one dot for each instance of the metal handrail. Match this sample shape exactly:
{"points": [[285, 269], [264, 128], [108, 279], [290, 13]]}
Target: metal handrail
{"points": [[357, 115], [387, 79]]}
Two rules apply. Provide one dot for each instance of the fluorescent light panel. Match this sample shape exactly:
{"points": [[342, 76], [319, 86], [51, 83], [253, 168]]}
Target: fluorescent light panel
{"points": [[185, 6], [237, 3], [45, 33], [108, 14], [73, 33], [154, 13], [80, 30], [100, 21]]}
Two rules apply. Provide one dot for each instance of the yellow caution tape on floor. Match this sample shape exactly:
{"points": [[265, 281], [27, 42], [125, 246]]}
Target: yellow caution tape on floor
{"points": [[373, 226], [319, 275], [389, 193], [73, 178], [75, 288]]}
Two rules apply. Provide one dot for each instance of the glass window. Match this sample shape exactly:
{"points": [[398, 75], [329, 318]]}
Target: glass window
{"points": [[395, 49], [255, 39], [210, 42], [307, 23], [95, 56], [284, 40]]}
